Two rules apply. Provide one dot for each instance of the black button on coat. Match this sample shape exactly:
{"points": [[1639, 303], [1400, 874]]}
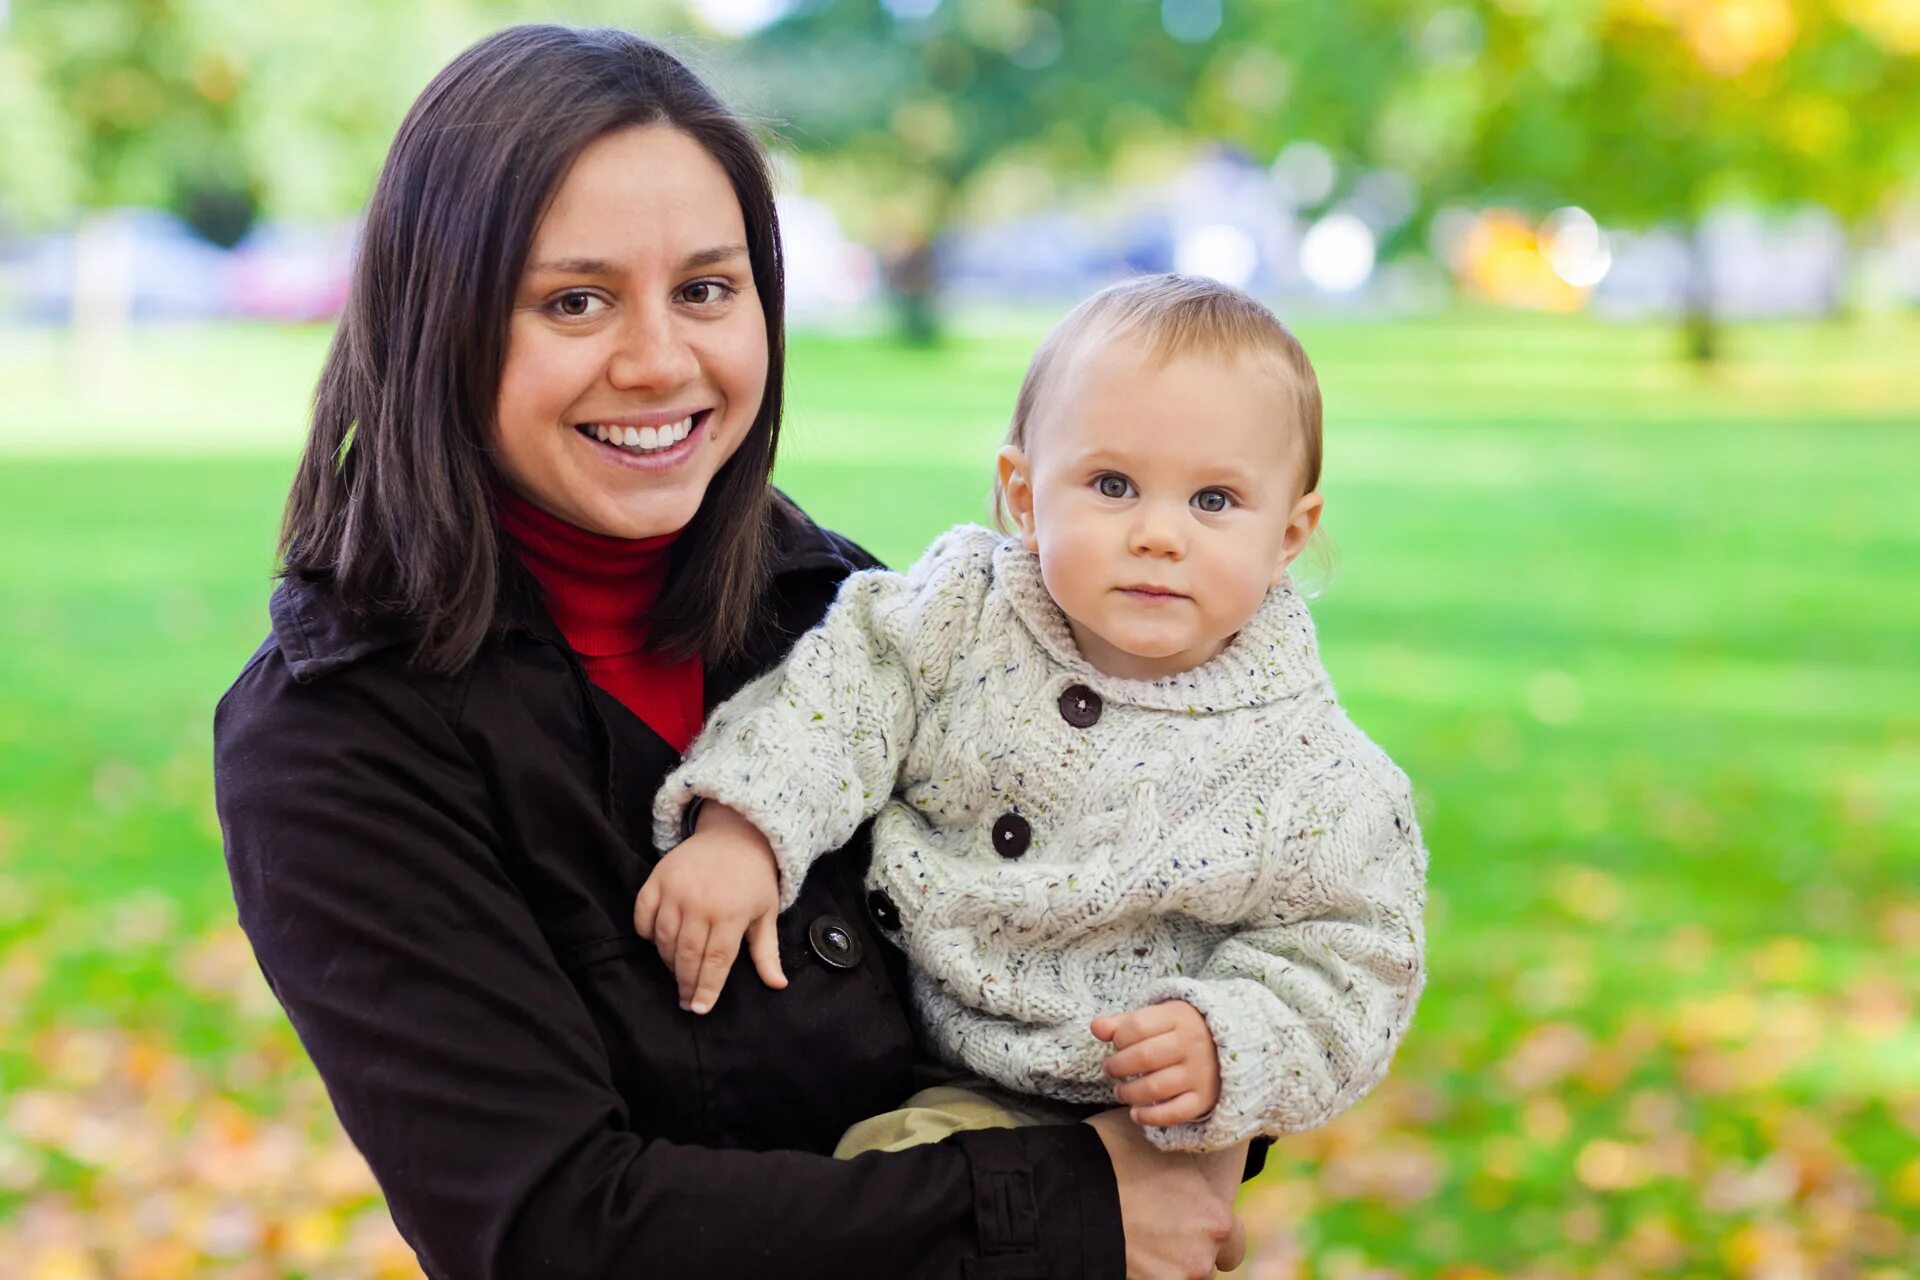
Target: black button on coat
{"points": [[437, 875], [834, 943]]}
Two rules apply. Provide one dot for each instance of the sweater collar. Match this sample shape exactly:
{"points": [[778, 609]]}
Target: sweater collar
{"points": [[598, 589], [1274, 657]]}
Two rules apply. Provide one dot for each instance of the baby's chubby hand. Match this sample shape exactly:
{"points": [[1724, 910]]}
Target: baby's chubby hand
{"points": [[715, 886], [1166, 1055]]}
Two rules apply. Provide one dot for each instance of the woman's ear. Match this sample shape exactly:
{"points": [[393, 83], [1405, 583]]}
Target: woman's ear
{"points": [[1301, 524], [1016, 490]]}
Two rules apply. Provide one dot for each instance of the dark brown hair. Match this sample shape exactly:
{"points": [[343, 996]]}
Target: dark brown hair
{"points": [[392, 502], [1174, 315]]}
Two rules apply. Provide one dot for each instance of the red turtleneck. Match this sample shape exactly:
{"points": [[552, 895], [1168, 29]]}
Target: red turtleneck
{"points": [[600, 591]]}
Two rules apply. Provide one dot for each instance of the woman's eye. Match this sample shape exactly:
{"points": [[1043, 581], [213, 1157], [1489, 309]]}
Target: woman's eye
{"points": [[1212, 501], [1113, 486], [703, 292], [576, 304]]}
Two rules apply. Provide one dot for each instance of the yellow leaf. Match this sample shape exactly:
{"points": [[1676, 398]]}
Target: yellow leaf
{"points": [[61, 1262]]}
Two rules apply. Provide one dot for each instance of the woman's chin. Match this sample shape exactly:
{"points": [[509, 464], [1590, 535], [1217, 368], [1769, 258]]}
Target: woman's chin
{"points": [[647, 516]]}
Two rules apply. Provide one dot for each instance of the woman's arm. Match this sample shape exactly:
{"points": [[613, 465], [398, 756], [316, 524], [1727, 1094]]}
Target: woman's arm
{"points": [[464, 1066]]}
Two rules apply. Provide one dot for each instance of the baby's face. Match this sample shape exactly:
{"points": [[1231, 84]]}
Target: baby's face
{"points": [[1164, 500]]}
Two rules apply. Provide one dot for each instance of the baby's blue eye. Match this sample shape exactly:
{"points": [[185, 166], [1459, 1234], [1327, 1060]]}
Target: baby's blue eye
{"points": [[1114, 486], [1212, 501]]}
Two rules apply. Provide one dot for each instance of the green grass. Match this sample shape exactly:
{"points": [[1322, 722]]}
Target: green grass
{"points": [[1645, 638]]}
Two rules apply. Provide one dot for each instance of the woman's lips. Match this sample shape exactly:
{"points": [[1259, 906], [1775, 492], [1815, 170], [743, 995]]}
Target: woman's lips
{"points": [[652, 460]]}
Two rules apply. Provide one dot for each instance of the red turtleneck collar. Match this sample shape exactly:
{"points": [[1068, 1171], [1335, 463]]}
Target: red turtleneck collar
{"points": [[600, 591]]}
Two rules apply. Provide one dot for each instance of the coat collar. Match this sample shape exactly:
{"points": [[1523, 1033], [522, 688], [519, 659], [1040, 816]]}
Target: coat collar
{"points": [[318, 635], [1274, 657]]}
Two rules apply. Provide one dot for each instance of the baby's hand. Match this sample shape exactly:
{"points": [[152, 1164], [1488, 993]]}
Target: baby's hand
{"points": [[720, 883], [1167, 1054]]}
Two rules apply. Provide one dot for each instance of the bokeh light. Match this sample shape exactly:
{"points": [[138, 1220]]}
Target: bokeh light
{"points": [[1577, 248], [1305, 173], [1190, 21], [1219, 251], [911, 10], [1498, 255], [741, 17], [1337, 253]]}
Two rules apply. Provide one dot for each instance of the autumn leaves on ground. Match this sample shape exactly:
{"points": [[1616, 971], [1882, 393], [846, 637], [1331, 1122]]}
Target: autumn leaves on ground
{"points": [[1642, 635]]}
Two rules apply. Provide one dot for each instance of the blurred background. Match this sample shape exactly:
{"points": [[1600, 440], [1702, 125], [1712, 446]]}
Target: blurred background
{"points": [[1616, 304]]}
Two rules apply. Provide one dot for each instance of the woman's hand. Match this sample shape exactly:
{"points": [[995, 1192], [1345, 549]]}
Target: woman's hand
{"points": [[1177, 1226], [715, 886]]}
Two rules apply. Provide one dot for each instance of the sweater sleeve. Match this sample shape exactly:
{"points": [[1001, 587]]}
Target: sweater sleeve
{"points": [[813, 748], [1308, 1001]]}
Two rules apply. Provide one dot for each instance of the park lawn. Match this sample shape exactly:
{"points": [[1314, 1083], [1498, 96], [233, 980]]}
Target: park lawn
{"points": [[1643, 636]]}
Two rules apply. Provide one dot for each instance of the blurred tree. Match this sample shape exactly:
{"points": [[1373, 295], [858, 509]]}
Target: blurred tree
{"points": [[223, 109], [1642, 112], [219, 110], [1651, 111], [146, 105], [38, 177], [908, 109]]}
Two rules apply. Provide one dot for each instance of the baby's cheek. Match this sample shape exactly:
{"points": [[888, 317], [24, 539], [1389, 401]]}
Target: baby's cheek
{"points": [[1241, 592]]}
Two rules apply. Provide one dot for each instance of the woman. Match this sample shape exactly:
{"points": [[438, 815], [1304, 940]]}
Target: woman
{"points": [[530, 543]]}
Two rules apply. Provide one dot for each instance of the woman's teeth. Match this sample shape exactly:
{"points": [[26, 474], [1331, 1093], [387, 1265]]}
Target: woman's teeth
{"points": [[642, 439]]}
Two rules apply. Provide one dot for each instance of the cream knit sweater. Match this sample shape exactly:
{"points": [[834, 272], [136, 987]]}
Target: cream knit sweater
{"points": [[1225, 836]]}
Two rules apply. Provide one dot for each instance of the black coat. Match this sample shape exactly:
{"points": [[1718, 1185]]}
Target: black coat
{"points": [[437, 875]]}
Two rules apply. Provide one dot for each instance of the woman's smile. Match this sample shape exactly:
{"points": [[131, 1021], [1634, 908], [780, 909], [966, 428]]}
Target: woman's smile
{"points": [[624, 442]]}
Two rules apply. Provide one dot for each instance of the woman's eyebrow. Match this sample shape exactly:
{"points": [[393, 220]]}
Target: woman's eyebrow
{"points": [[577, 267], [602, 267], [713, 257]]}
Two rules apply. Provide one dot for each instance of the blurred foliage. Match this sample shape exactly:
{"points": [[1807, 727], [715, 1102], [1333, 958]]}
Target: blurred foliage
{"points": [[902, 116], [1641, 111], [912, 113], [206, 107], [1638, 110]]}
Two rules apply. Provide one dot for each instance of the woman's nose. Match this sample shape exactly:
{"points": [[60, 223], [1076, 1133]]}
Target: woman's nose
{"points": [[652, 355]]}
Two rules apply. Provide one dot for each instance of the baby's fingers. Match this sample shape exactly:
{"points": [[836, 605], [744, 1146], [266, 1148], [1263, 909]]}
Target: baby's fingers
{"points": [[1178, 1110], [1145, 1056], [716, 962], [1161, 1086], [666, 932], [645, 908], [763, 942], [688, 955]]}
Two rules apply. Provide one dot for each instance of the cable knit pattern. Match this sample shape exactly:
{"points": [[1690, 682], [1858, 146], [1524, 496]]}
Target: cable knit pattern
{"points": [[1225, 836]]}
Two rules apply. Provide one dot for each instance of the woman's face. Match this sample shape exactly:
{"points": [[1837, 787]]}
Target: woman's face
{"points": [[637, 352]]}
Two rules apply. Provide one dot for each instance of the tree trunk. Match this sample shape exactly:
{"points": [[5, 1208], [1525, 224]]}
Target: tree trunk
{"points": [[1701, 326], [913, 281]]}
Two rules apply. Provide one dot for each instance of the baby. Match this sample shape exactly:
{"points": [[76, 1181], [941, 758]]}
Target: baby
{"points": [[1131, 845]]}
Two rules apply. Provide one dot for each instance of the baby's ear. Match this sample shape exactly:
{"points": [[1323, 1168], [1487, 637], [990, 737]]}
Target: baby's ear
{"points": [[1016, 494], [1301, 523]]}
